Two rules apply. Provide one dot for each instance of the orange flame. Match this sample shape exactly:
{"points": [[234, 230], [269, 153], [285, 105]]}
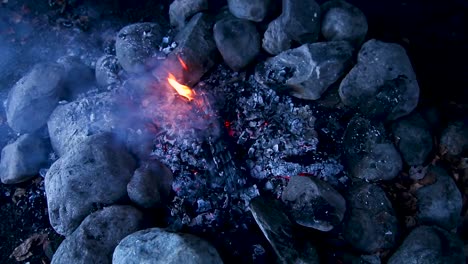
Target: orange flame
{"points": [[184, 65], [181, 89]]}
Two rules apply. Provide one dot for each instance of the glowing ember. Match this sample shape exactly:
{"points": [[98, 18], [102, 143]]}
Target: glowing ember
{"points": [[181, 89], [182, 63]]}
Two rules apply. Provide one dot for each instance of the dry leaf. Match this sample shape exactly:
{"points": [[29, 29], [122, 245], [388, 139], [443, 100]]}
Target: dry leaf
{"points": [[23, 251]]}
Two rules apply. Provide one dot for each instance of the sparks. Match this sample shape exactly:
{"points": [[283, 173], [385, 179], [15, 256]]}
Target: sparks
{"points": [[184, 65]]}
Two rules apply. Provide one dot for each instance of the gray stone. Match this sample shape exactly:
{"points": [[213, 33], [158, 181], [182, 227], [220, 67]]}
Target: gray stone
{"points": [[278, 230], [429, 245], [93, 173], [367, 152], [78, 78], [299, 22], [413, 139], [314, 203], [370, 224], [383, 84], [238, 41], [182, 10], [343, 21], [136, 44], [34, 97], [308, 71], [107, 71], [439, 202], [97, 236], [454, 139], [22, 159], [254, 10], [157, 246], [150, 185], [70, 123]]}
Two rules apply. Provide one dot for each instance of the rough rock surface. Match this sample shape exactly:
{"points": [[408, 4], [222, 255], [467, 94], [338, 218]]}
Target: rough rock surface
{"points": [[237, 40], [22, 159], [91, 174], [429, 245], [314, 203], [306, 72], [182, 10], [383, 84], [299, 22], [439, 202], [254, 10], [34, 97], [454, 139], [370, 224], [150, 184], [107, 71], [78, 77], [367, 152], [413, 139], [157, 246], [135, 44], [97, 236], [343, 21]]}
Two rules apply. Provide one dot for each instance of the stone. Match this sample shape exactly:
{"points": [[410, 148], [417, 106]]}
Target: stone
{"points": [[382, 85], [253, 10], [314, 203], [136, 44], [454, 139], [238, 42], [343, 21], [33, 98], [150, 185], [91, 174], [429, 245], [368, 154], [308, 71], [278, 230], [78, 78], [413, 139], [70, 123], [97, 236], [107, 71], [180, 11], [440, 202], [370, 224], [157, 246], [22, 159], [299, 22]]}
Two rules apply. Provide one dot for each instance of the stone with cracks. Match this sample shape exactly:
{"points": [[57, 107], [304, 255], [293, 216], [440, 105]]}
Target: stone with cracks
{"points": [[314, 203], [107, 71], [368, 154], [135, 44], [180, 11], [33, 98], [343, 21], [383, 84], [370, 224], [238, 41], [22, 159], [253, 10], [93, 173], [429, 245], [306, 72], [158, 246], [299, 22], [97, 236]]}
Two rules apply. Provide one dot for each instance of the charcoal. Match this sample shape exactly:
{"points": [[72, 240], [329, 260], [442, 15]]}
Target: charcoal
{"points": [[22, 159], [78, 78], [343, 21], [180, 11], [254, 10], [33, 98], [107, 71], [440, 201], [156, 245], [238, 41], [371, 224], [306, 72], [383, 84], [98, 235], [454, 138], [438, 245], [79, 181]]}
